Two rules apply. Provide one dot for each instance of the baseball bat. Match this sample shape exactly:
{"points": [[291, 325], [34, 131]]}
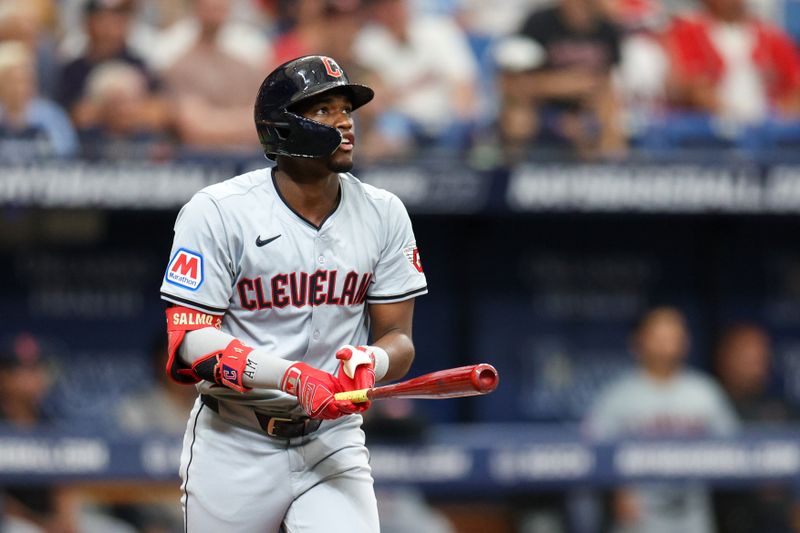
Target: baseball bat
{"points": [[472, 380]]}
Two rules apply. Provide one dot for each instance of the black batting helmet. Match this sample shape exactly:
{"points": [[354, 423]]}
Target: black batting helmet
{"points": [[283, 132]]}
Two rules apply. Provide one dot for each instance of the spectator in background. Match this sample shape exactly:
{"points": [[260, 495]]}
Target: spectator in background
{"points": [[30, 127], [428, 73], [662, 399], [305, 35], [31, 21], [728, 63], [117, 91], [244, 40], [107, 26], [497, 18], [212, 89], [643, 67], [565, 95], [162, 30], [24, 384], [743, 361]]}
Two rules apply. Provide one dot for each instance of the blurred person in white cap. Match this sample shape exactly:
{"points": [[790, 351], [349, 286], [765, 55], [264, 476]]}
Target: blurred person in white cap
{"points": [[31, 127]]}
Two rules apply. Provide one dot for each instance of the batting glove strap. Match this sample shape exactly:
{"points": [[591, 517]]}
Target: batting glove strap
{"points": [[225, 368], [356, 371], [381, 358], [314, 390], [352, 357]]}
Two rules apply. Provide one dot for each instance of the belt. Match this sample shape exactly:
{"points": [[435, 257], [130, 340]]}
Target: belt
{"points": [[278, 427]]}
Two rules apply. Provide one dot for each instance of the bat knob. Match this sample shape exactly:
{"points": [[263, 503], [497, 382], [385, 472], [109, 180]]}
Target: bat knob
{"points": [[484, 378]]}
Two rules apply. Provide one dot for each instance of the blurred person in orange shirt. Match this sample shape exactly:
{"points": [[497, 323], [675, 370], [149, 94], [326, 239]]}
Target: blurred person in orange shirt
{"points": [[743, 363], [31, 127], [212, 89], [726, 62]]}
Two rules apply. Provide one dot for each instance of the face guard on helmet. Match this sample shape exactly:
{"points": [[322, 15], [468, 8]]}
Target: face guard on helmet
{"points": [[283, 132]]}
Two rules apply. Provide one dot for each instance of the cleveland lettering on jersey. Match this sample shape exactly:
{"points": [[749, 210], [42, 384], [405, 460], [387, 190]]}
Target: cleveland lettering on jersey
{"points": [[301, 288]]}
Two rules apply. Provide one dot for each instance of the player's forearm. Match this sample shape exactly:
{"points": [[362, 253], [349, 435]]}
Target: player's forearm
{"points": [[263, 370], [400, 350]]}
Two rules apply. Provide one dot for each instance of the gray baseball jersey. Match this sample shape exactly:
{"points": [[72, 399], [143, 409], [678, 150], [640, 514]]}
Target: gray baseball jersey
{"points": [[690, 404], [281, 283]]}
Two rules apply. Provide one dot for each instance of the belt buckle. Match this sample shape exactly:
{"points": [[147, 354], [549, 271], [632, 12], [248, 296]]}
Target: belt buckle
{"points": [[271, 425]]}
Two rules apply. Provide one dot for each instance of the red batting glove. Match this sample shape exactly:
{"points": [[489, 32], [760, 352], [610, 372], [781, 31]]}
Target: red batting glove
{"points": [[356, 371], [314, 390]]}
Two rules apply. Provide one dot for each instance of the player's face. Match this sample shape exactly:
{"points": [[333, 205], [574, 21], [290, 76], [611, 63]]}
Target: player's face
{"points": [[18, 85], [336, 111], [663, 343], [745, 363]]}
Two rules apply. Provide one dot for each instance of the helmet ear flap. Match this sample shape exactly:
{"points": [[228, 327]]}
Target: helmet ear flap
{"points": [[297, 136], [309, 138], [281, 133]]}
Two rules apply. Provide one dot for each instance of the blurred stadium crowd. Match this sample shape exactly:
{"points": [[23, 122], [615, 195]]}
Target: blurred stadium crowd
{"points": [[151, 79], [491, 81]]}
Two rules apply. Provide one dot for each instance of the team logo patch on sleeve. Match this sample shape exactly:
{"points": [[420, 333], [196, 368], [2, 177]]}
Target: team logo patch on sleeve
{"points": [[185, 269], [412, 254]]}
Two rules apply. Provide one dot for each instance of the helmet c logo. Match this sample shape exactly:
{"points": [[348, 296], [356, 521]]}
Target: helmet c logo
{"points": [[331, 67]]}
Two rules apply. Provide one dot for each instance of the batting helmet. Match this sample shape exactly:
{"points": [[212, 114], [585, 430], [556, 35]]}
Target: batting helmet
{"points": [[283, 132]]}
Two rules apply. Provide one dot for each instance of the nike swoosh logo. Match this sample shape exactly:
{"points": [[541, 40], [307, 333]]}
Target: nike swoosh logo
{"points": [[260, 243]]}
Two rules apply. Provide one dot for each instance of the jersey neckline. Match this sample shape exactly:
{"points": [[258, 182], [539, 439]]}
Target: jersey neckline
{"points": [[339, 198]]}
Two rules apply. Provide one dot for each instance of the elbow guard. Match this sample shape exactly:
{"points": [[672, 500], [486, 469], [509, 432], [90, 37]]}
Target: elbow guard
{"points": [[224, 367], [179, 321]]}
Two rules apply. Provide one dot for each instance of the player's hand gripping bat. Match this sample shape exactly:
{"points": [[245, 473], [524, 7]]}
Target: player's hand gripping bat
{"points": [[472, 380]]}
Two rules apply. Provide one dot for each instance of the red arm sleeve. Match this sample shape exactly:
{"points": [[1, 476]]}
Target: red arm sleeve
{"points": [[179, 321]]}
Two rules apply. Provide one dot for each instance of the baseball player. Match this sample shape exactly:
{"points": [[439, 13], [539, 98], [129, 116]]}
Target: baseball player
{"points": [[662, 399], [277, 280]]}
